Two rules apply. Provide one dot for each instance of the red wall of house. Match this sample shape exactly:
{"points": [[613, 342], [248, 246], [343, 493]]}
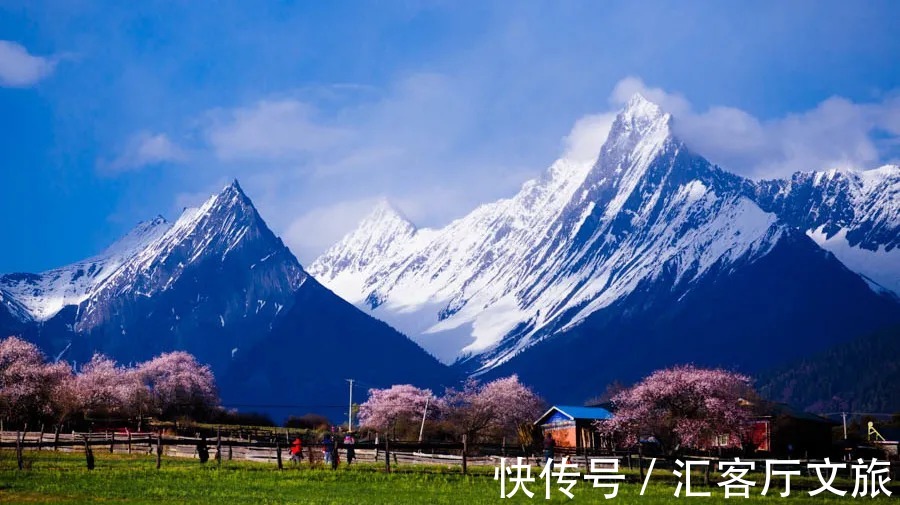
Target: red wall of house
{"points": [[564, 437]]}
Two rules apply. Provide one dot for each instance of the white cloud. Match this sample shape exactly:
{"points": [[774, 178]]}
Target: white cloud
{"points": [[279, 130], [836, 133], [314, 166], [19, 69], [672, 103], [588, 134], [316, 230], [142, 150]]}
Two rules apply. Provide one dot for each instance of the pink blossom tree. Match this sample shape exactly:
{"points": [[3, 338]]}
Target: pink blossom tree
{"points": [[30, 388], [179, 385], [683, 406], [104, 388], [501, 407], [397, 409]]}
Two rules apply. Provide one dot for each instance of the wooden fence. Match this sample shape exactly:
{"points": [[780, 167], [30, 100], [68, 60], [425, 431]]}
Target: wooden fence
{"points": [[275, 450]]}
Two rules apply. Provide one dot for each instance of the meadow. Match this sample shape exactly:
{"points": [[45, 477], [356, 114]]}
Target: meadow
{"points": [[60, 478]]}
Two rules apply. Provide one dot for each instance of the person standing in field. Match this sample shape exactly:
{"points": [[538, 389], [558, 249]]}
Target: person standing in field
{"points": [[335, 456], [328, 448], [202, 449], [549, 447], [349, 441], [296, 451]]}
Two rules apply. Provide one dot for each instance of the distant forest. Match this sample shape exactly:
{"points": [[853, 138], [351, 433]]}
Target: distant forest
{"points": [[862, 375]]}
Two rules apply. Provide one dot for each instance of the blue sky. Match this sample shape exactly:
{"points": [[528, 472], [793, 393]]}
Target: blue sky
{"points": [[115, 112]]}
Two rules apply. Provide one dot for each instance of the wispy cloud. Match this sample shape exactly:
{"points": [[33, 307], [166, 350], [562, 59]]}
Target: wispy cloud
{"points": [[322, 154], [583, 143], [271, 130], [143, 150], [317, 229], [19, 68]]}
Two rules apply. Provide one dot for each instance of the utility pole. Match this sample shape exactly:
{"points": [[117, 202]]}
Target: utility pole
{"points": [[844, 417], [350, 408], [424, 413]]}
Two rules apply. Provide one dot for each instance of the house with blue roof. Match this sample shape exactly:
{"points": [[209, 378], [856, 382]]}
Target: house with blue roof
{"points": [[572, 427]]}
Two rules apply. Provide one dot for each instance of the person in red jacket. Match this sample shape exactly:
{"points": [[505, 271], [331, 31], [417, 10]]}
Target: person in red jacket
{"points": [[296, 450]]}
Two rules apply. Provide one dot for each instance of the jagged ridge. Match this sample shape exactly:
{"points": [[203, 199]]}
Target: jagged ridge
{"points": [[581, 237], [496, 282]]}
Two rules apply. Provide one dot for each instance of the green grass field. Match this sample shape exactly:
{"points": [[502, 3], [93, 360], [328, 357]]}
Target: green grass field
{"points": [[62, 478]]}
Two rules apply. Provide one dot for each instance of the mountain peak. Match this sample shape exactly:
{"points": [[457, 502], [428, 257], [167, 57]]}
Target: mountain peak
{"points": [[385, 211], [377, 236], [230, 198], [233, 189], [639, 130], [638, 105], [642, 113]]}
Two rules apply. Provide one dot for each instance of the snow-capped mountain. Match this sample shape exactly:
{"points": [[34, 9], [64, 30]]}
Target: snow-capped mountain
{"points": [[218, 269], [43, 295], [853, 214], [219, 284], [223, 234], [648, 222]]}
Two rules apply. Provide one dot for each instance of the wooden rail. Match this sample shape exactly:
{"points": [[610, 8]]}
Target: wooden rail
{"points": [[227, 448]]}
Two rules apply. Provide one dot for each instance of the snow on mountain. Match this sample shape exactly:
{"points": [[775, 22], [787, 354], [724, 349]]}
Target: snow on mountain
{"points": [[380, 235], [429, 275], [210, 233], [13, 307], [149, 259], [853, 214], [41, 296], [513, 272]]}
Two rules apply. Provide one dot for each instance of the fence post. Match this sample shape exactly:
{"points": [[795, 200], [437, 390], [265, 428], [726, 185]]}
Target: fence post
{"points": [[112, 442], [41, 438], [706, 474], [56, 438], [158, 449], [129, 442], [387, 455], [230, 453], [88, 454], [278, 453], [219, 446], [641, 460], [19, 461], [465, 450]]}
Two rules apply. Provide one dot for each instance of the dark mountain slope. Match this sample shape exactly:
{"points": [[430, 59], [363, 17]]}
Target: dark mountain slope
{"points": [[750, 317], [862, 375], [321, 341]]}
